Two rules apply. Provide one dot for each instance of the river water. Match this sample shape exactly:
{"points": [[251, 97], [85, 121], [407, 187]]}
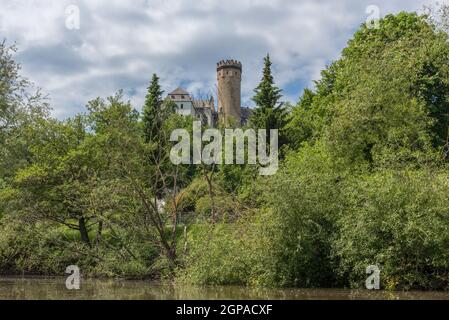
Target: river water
{"points": [[54, 289]]}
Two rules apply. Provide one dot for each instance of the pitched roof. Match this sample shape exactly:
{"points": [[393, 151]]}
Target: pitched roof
{"points": [[179, 91]]}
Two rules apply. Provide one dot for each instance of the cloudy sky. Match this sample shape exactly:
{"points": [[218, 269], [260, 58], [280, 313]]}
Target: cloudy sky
{"points": [[118, 44]]}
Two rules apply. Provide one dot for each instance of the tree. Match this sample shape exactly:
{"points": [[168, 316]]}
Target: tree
{"points": [[152, 118], [57, 186], [301, 123], [141, 171], [389, 103], [20, 106], [12, 89], [269, 112], [385, 101], [156, 114]]}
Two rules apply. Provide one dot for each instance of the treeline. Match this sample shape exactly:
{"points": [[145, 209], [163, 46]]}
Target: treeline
{"points": [[363, 178]]}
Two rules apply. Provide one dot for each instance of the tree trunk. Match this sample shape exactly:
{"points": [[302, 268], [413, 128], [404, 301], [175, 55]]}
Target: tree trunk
{"points": [[83, 231], [171, 255]]}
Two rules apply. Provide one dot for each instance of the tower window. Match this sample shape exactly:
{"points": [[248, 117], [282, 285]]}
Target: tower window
{"points": [[182, 106]]}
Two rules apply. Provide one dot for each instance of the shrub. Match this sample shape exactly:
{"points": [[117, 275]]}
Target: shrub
{"points": [[397, 220]]}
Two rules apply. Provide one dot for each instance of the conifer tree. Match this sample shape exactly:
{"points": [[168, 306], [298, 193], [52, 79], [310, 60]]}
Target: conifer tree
{"points": [[152, 119], [269, 113]]}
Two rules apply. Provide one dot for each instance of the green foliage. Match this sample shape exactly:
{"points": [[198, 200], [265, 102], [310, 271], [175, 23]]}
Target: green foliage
{"points": [[32, 249], [362, 183], [361, 180], [286, 243], [269, 112], [17, 102], [217, 255], [155, 110], [389, 105], [21, 105], [301, 126], [44, 249], [153, 104], [305, 199], [383, 72], [188, 197], [57, 185], [397, 220]]}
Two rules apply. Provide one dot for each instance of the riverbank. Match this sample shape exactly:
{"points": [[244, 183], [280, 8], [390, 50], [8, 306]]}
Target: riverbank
{"points": [[53, 288]]}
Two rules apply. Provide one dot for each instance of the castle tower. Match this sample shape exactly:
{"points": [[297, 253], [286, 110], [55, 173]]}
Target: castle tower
{"points": [[229, 78]]}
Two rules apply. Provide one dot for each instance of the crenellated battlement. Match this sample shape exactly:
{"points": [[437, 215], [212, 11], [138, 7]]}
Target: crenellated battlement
{"points": [[229, 64]]}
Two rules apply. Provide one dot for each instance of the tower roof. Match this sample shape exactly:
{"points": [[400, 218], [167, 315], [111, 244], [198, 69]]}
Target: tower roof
{"points": [[178, 91]]}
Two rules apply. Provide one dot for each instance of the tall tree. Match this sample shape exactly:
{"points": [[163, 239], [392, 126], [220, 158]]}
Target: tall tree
{"points": [[389, 99], [20, 105], [152, 118], [270, 112], [56, 187], [144, 175]]}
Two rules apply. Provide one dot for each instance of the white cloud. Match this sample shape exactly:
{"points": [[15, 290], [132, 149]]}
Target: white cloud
{"points": [[121, 43]]}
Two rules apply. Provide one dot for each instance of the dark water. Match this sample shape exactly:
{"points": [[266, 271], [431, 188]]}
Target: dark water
{"points": [[54, 289]]}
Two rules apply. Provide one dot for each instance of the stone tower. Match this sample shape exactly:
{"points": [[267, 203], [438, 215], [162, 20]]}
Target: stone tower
{"points": [[229, 78]]}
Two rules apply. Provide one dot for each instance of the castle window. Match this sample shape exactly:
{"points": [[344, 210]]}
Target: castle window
{"points": [[182, 106], [182, 97], [173, 97]]}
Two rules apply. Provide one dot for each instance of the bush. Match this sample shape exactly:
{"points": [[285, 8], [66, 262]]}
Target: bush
{"points": [[43, 249], [37, 249], [321, 226], [286, 242], [397, 220], [217, 255]]}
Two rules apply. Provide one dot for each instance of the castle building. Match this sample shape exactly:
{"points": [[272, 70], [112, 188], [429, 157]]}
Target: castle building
{"points": [[230, 111], [203, 109]]}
